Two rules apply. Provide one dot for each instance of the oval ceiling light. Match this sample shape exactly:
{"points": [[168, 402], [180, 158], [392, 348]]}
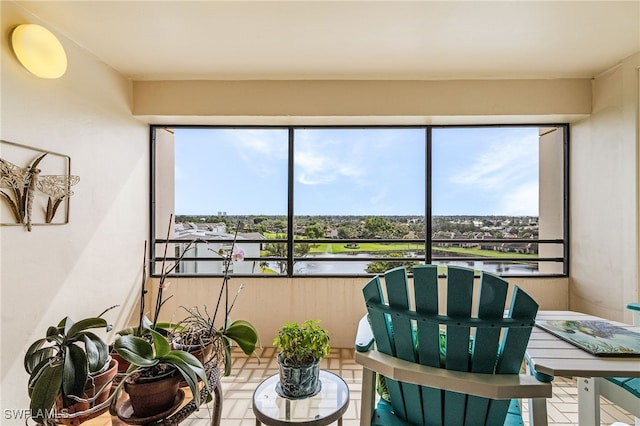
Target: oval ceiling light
{"points": [[39, 51]]}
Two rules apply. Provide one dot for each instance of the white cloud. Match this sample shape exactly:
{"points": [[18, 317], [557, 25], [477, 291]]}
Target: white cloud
{"points": [[324, 163], [521, 201], [500, 167], [261, 143], [264, 152]]}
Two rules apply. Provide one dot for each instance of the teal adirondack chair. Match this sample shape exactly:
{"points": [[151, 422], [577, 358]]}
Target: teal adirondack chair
{"points": [[445, 369]]}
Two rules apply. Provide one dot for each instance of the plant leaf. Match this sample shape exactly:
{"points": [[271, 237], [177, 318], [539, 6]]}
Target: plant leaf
{"points": [[160, 343], [135, 350], [97, 351], [65, 324], [165, 328], [39, 369], [85, 324], [45, 391], [244, 334], [53, 331], [75, 372], [193, 362], [190, 368], [227, 355], [127, 331], [29, 355], [34, 359]]}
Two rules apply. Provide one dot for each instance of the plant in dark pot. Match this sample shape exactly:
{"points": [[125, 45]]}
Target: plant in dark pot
{"points": [[301, 347], [70, 372], [152, 381]]}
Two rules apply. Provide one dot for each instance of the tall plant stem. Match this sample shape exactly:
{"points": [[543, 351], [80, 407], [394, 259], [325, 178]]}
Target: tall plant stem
{"points": [[143, 291], [161, 286], [225, 282]]}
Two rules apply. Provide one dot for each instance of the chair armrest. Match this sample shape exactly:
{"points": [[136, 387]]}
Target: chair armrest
{"points": [[634, 306], [635, 310], [494, 386], [364, 338]]}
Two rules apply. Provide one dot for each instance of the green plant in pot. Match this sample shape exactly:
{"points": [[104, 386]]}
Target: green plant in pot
{"points": [[198, 334], [198, 331], [70, 371], [152, 381], [301, 347]]}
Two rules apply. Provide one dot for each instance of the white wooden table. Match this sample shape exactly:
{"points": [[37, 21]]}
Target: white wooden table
{"points": [[551, 355]]}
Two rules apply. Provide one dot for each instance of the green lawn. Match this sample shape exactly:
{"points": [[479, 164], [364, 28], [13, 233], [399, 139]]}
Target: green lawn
{"points": [[339, 248]]}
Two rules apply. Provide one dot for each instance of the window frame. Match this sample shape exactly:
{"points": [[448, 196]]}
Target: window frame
{"points": [[428, 217]]}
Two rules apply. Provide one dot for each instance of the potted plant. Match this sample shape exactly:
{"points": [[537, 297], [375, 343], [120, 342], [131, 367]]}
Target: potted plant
{"points": [[144, 325], [199, 329], [70, 368], [152, 381], [198, 334], [301, 349]]}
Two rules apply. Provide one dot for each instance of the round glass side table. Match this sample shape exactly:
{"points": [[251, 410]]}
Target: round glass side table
{"points": [[324, 408]]}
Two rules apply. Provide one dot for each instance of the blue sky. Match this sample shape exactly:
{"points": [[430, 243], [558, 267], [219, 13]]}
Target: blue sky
{"points": [[477, 171]]}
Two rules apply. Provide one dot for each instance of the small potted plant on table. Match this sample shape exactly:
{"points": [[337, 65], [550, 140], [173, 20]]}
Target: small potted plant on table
{"points": [[301, 347]]}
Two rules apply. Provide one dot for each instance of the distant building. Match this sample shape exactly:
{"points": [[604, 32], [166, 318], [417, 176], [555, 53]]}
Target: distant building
{"points": [[215, 250]]}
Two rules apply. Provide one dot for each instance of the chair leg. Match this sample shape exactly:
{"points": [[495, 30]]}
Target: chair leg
{"points": [[368, 396], [538, 412]]}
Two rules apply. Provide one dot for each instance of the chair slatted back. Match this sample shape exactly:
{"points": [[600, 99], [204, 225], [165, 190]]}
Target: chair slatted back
{"points": [[480, 340]]}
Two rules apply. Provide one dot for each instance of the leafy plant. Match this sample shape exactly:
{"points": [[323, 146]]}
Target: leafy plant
{"points": [[144, 357], [198, 325], [302, 344], [62, 361], [203, 326], [198, 329]]}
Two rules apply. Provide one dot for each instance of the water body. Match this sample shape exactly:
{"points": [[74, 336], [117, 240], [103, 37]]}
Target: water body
{"points": [[327, 267]]}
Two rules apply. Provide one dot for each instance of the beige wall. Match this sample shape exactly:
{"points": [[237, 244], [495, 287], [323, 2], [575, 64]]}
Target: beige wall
{"points": [[337, 302], [604, 197], [407, 102], [95, 260]]}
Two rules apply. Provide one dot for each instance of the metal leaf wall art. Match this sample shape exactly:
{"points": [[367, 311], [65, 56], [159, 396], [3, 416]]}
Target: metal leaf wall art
{"points": [[21, 186]]}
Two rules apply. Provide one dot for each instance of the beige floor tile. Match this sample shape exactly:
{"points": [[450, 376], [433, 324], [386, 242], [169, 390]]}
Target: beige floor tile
{"points": [[248, 372]]}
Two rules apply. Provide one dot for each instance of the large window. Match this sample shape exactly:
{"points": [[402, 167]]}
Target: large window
{"points": [[351, 201]]}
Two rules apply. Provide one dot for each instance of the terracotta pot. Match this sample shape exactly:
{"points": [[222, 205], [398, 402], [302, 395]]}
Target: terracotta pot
{"points": [[123, 364], [202, 352], [153, 395], [100, 381], [94, 384]]}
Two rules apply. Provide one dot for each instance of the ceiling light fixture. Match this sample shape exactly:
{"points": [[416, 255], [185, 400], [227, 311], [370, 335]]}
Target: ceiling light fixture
{"points": [[39, 51]]}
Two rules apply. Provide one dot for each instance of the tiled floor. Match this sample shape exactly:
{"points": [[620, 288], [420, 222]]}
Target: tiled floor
{"points": [[248, 372]]}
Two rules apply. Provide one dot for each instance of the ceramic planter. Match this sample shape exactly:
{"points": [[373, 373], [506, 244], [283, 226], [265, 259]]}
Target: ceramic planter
{"points": [[298, 382]]}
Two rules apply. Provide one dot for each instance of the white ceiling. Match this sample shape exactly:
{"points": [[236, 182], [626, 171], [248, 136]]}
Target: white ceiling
{"points": [[154, 40]]}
